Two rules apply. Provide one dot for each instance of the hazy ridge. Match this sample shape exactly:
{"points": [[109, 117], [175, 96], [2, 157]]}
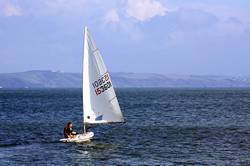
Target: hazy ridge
{"points": [[50, 79]]}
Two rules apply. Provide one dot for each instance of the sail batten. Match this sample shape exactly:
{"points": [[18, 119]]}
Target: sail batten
{"points": [[100, 104]]}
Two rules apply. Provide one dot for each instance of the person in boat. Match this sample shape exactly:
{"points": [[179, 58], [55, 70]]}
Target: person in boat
{"points": [[68, 131], [88, 128]]}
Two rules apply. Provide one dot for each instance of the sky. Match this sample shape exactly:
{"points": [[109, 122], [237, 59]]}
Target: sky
{"points": [[200, 37]]}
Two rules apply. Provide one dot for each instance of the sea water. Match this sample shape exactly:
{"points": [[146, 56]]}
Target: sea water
{"points": [[163, 127]]}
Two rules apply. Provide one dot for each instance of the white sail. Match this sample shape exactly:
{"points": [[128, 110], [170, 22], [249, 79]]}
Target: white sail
{"points": [[100, 104]]}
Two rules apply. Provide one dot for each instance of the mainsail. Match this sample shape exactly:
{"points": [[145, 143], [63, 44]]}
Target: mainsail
{"points": [[100, 104]]}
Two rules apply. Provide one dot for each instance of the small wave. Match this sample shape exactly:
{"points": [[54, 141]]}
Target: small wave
{"points": [[9, 145]]}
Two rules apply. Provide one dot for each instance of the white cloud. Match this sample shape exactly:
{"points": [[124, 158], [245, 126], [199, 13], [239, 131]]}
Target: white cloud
{"points": [[9, 9], [144, 9], [111, 16]]}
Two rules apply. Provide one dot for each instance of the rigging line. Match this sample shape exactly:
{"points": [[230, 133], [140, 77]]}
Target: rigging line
{"points": [[95, 50], [112, 99]]}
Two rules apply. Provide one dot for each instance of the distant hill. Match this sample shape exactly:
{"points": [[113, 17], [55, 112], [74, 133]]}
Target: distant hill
{"points": [[50, 79]]}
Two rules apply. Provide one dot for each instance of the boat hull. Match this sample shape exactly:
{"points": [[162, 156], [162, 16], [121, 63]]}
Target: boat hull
{"points": [[79, 138]]}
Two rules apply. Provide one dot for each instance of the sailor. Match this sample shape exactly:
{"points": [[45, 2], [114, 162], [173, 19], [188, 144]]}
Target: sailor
{"points": [[88, 128], [68, 131]]}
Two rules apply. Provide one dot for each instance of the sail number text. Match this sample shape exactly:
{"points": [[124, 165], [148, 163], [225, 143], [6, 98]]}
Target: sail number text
{"points": [[102, 84]]}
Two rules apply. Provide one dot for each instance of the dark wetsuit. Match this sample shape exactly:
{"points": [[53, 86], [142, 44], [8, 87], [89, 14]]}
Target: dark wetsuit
{"points": [[67, 132]]}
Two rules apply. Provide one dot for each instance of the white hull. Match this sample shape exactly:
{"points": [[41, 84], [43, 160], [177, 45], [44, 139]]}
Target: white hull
{"points": [[79, 138]]}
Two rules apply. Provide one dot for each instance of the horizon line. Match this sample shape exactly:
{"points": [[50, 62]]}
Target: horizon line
{"points": [[127, 72]]}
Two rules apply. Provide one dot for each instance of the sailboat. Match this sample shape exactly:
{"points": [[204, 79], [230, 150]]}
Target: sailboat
{"points": [[100, 104]]}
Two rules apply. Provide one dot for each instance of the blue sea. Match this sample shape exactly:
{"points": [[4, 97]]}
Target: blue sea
{"points": [[163, 127]]}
